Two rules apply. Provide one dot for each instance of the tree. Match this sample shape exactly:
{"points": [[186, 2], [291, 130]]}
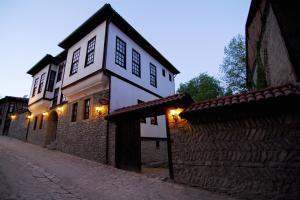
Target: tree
{"points": [[202, 87], [233, 68]]}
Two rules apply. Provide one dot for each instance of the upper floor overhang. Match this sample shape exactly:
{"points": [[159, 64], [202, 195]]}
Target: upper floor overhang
{"points": [[107, 13]]}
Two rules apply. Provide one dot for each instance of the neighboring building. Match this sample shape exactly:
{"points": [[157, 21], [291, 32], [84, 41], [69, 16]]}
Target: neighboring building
{"points": [[8, 107], [106, 65], [273, 43]]}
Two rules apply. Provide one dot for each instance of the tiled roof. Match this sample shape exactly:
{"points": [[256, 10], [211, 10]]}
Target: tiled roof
{"points": [[183, 98], [243, 98]]}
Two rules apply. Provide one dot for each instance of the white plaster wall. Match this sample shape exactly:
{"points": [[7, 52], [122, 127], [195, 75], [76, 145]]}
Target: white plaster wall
{"points": [[124, 94], [164, 86], [99, 32], [38, 75]]}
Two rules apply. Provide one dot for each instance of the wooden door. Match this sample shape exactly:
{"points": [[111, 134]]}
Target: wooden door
{"points": [[128, 144]]}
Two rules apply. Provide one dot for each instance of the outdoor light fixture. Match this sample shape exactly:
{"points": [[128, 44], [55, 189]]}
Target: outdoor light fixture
{"points": [[29, 116], [13, 117], [60, 109], [45, 113], [175, 113], [101, 110]]}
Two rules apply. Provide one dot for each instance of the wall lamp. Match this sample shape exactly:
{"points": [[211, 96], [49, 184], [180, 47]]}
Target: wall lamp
{"points": [[101, 110], [13, 116], [175, 113], [59, 110], [29, 117], [45, 113]]}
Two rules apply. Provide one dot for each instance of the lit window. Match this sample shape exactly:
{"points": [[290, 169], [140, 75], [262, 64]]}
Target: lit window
{"points": [[86, 113], [120, 57], [90, 52], [75, 62], [136, 63], [153, 80]]}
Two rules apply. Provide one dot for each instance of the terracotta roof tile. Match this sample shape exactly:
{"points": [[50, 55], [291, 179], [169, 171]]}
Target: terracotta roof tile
{"points": [[166, 101], [244, 98]]}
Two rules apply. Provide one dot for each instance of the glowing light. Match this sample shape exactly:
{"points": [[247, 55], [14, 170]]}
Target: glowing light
{"points": [[13, 117], [45, 113], [175, 113], [29, 116], [60, 109], [101, 110]]}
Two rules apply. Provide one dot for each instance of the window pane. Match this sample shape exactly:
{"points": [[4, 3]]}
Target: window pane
{"points": [[120, 56]]}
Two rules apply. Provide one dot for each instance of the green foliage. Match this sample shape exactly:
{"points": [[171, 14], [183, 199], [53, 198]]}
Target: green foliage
{"points": [[202, 87], [261, 81], [233, 68]]}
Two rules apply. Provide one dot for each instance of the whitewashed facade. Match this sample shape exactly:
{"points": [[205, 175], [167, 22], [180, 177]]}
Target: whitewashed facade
{"points": [[126, 88]]}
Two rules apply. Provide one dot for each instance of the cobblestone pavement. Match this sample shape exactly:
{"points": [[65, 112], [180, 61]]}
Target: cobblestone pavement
{"points": [[30, 172]]}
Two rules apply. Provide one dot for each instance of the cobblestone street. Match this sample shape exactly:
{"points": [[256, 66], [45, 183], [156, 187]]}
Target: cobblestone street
{"points": [[31, 172]]}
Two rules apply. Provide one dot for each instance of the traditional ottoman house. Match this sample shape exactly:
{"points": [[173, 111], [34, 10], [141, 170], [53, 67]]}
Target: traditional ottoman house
{"points": [[273, 43], [9, 106], [106, 65]]}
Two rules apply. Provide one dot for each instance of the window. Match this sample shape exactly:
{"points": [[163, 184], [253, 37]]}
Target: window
{"points": [[90, 52], [11, 108], [62, 98], [142, 120], [35, 86], [163, 72], [86, 112], [136, 63], [51, 80], [35, 122], [41, 122], [75, 62], [120, 58], [157, 144], [60, 71], [55, 97], [153, 75], [74, 112], [170, 77], [41, 83], [153, 120]]}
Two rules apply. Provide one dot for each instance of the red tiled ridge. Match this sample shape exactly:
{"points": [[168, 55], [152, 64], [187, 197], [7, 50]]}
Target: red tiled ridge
{"points": [[169, 100], [243, 98]]}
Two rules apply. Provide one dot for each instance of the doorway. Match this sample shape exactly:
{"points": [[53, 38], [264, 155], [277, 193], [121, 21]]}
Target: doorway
{"points": [[51, 128]]}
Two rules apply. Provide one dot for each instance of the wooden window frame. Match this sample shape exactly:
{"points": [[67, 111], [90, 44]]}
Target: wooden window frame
{"points": [[136, 63], [35, 85], [55, 97], [90, 52], [42, 80], [170, 78], [120, 54], [60, 70], [51, 81], [35, 122], [75, 62], [74, 112], [86, 108], [153, 120], [153, 75], [41, 122]]}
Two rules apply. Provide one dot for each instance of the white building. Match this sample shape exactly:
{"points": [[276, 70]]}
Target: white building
{"points": [[105, 53]]}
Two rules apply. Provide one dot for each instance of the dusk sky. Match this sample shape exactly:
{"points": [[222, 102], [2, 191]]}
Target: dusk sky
{"points": [[190, 34]]}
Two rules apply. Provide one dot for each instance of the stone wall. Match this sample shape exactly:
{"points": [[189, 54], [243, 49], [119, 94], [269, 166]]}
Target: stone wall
{"points": [[250, 156], [85, 138], [38, 135], [154, 151], [18, 126]]}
